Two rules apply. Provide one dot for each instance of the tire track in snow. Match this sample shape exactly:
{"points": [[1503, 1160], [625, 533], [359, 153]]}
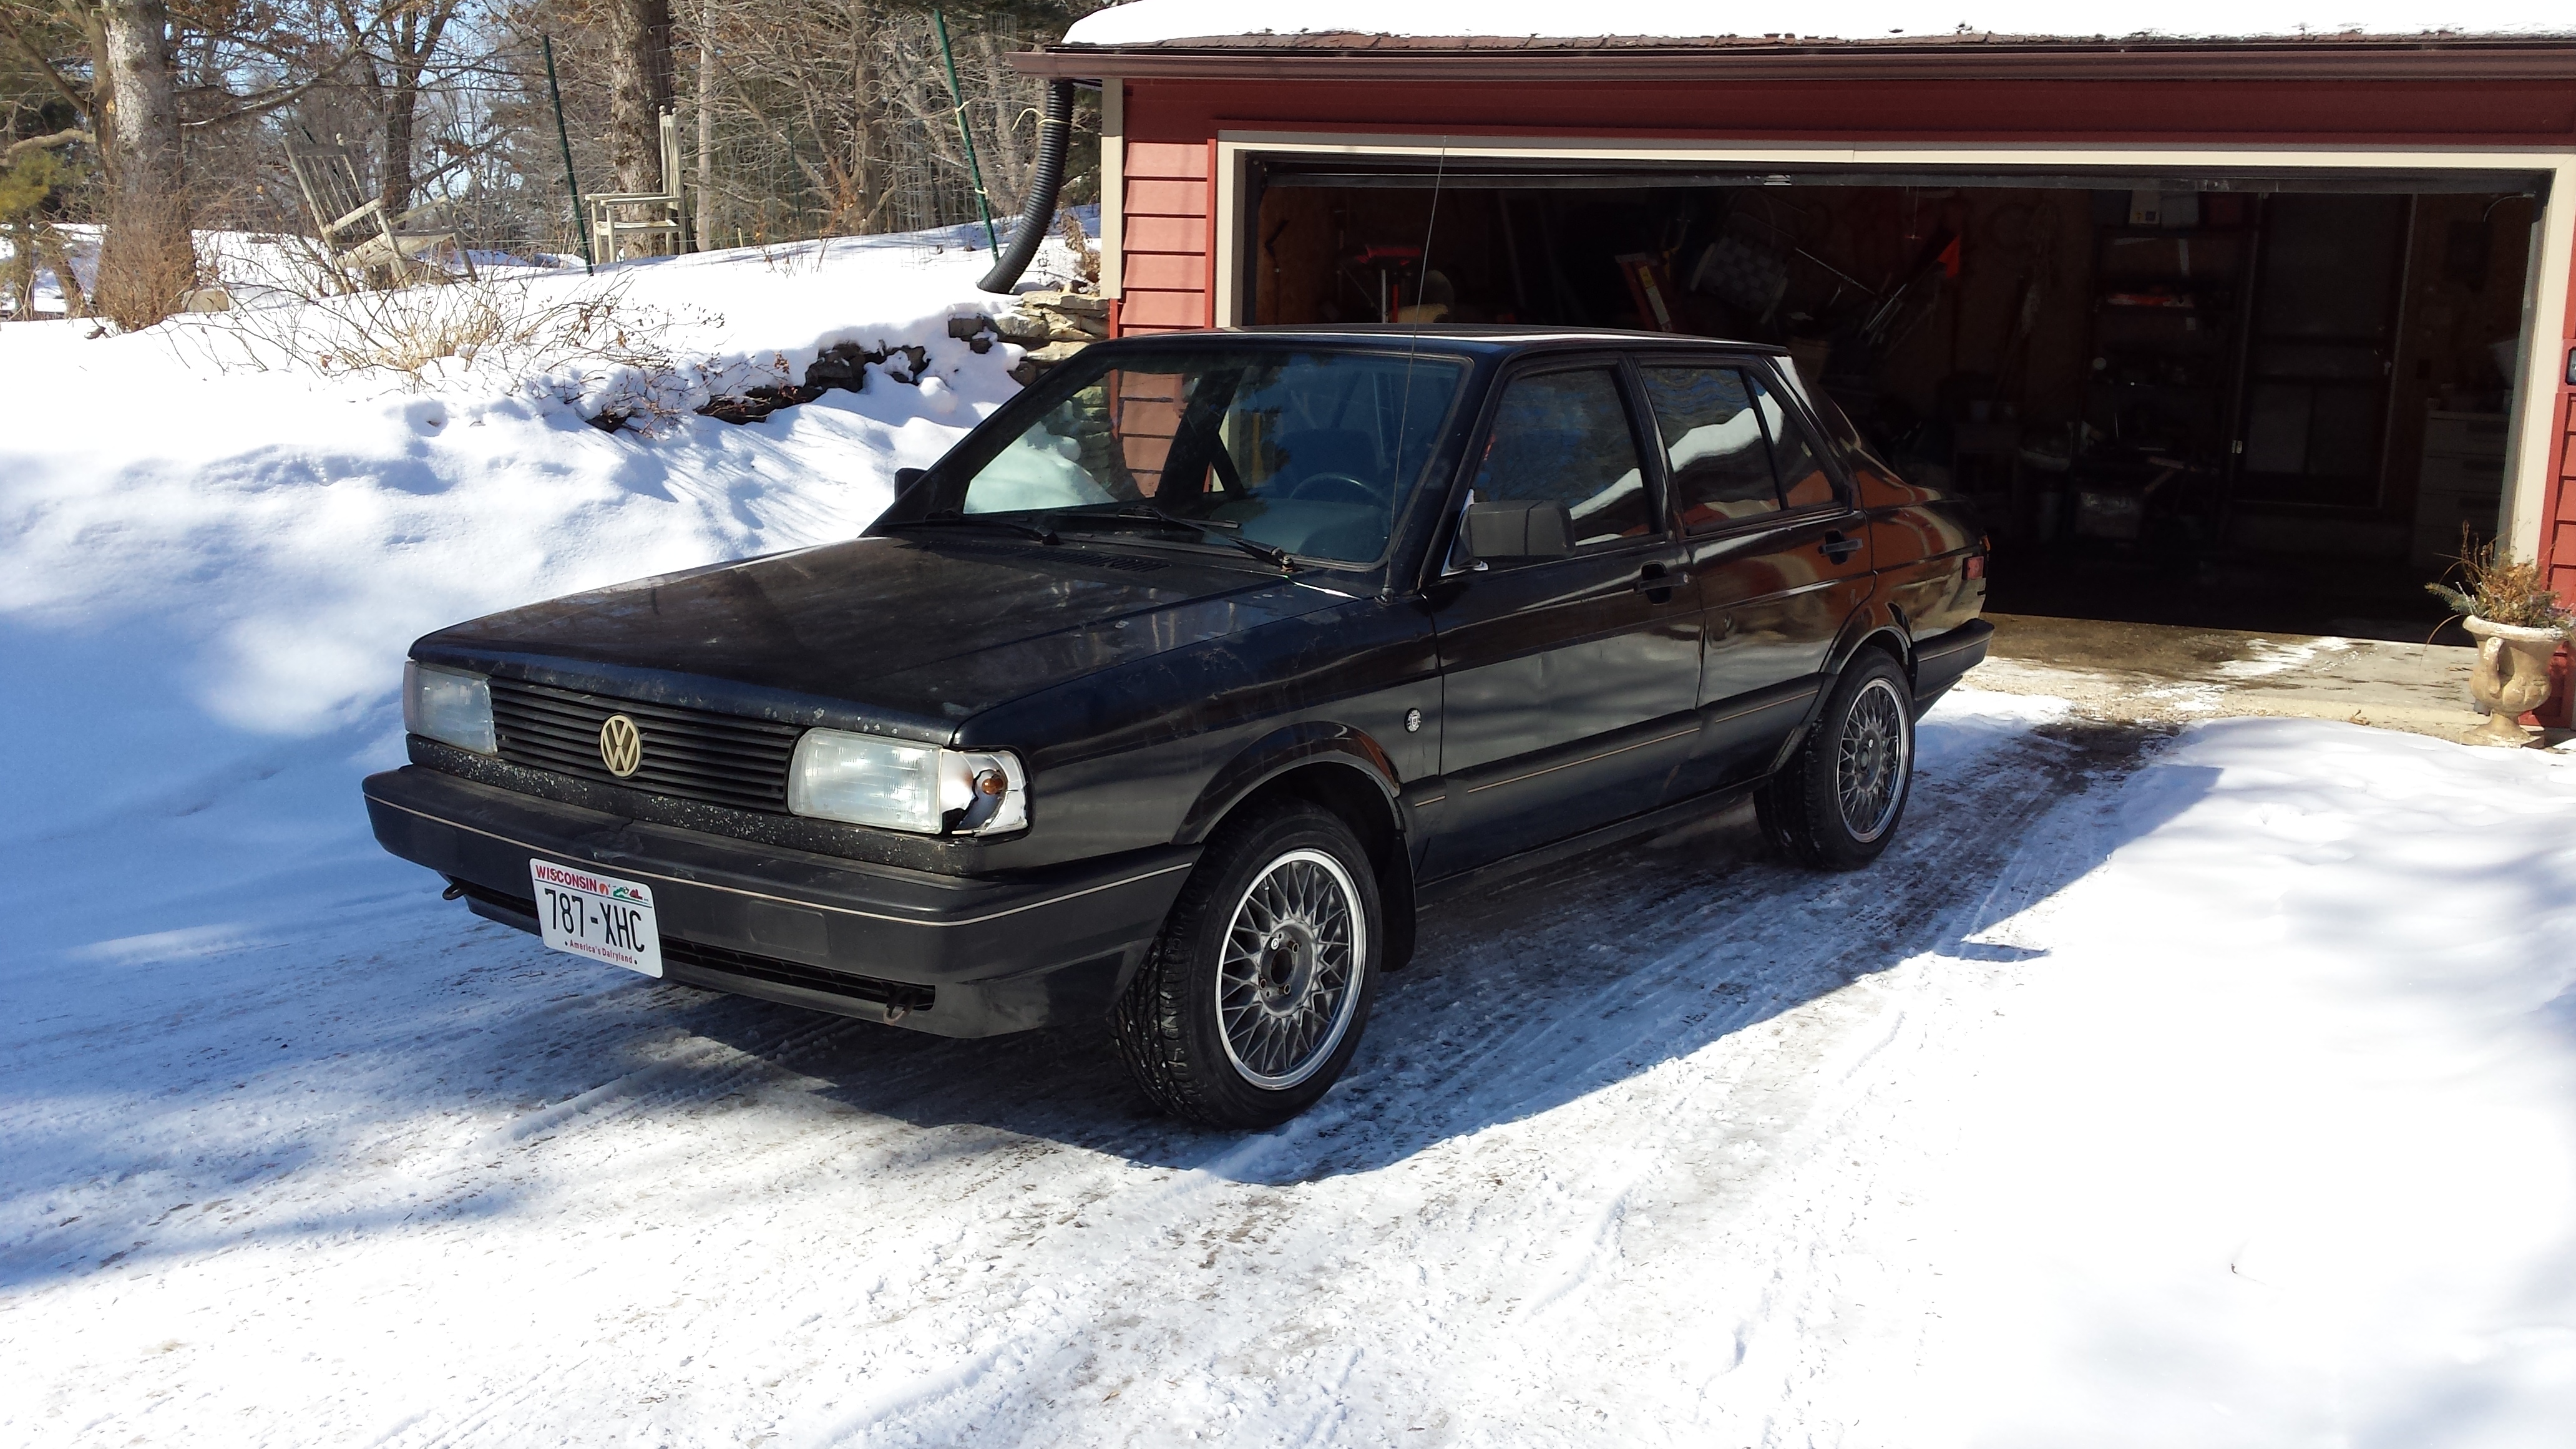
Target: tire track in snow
{"points": [[1977, 815], [1321, 1277], [1998, 837]]}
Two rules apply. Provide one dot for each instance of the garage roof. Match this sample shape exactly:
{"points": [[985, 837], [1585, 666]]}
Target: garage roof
{"points": [[1332, 24]]}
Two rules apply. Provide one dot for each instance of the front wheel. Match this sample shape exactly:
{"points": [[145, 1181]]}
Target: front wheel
{"points": [[1253, 998], [1837, 802]]}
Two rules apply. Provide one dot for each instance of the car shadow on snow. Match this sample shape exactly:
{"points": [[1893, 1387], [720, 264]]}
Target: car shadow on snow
{"points": [[1538, 992], [1563, 981]]}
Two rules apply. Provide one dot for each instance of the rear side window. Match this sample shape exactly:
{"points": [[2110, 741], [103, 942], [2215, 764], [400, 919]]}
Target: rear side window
{"points": [[1732, 448], [1565, 436], [1803, 480], [1715, 452]]}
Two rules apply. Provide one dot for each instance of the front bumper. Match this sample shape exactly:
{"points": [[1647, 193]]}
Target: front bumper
{"points": [[944, 954]]}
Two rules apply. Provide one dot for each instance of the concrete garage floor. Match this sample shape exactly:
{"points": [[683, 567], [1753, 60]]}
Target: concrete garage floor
{"points": [[2164, 673]]}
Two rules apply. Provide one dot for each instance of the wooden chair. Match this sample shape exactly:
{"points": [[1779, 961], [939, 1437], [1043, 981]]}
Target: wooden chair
{"points": [[352, 223], [651, 214]]}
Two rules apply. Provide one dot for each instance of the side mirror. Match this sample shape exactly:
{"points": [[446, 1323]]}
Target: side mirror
{"points": [[1519, 528], [904, 478]]}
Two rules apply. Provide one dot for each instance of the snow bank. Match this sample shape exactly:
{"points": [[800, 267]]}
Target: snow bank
{"points": [[211, 558], [1145, 22]]}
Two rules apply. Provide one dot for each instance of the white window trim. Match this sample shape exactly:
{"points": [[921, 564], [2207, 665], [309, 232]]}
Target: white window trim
{"points": [[1113, 186]]}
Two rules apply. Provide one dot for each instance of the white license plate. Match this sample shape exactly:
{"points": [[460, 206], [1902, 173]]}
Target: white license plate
{"points": [[597, 916]]}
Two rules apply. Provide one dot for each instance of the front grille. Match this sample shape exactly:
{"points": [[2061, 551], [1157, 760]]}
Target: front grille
{"points": [[897, 997], [693, 754]]}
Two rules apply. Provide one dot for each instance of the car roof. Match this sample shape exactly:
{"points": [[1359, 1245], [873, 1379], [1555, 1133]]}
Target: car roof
{"points": [[1483, 338]]}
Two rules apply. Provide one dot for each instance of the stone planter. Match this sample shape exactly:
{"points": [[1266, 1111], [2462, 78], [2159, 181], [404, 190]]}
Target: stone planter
{"points": [[2512, 676]]}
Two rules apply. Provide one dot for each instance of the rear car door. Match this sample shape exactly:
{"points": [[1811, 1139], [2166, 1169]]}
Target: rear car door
{"points": [[1568, 682], [1772, 535]]}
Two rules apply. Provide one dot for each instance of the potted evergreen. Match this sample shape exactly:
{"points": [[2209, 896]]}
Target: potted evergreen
{"points": [[2519, 625]]}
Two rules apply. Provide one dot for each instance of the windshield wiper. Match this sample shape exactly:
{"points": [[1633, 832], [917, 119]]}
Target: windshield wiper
{"points": [[951, 518], [1220, 532]]}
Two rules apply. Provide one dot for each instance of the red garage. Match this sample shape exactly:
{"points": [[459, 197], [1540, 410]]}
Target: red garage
{"points": [[2224, 331]]}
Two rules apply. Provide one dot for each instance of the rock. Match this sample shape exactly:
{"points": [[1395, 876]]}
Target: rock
{"points": [[845, 366], [1035, 365], [1072, 304], [1027, 329], [914, 361], [758, 403], [966, 329]]}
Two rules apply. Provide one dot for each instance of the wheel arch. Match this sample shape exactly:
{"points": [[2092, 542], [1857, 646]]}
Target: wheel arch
{"points": [[1339, 769], [1873, 629]]}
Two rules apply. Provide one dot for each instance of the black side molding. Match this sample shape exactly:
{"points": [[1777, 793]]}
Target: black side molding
{"points": [[1941, 659]]}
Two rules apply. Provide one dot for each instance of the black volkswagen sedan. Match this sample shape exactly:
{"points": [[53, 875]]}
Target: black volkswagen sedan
{"points": [[1171, 692]]}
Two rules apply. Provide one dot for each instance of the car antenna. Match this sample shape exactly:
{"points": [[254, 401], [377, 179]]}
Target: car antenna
{"points": [[1404, 412]]}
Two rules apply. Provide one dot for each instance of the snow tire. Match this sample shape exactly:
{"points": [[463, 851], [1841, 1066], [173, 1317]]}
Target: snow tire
{"points": [[1224, 957], [1839, 799]]}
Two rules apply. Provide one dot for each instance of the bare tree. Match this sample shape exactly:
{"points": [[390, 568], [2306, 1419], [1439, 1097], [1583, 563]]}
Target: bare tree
{"points": [[704, 105], [148, 257], [393, 46], [639, 90]]}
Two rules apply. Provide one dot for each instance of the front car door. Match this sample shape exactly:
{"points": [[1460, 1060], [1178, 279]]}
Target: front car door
{"points": [[1775, 541], [1568, 683]]}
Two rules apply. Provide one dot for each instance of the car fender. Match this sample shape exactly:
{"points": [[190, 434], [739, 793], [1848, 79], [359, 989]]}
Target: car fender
{"points": [[1280, 751], [1872, 620], [1869, 622]]}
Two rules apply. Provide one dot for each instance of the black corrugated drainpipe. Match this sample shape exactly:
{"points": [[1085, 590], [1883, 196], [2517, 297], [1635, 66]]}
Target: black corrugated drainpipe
{"points": [[1055, 128]]}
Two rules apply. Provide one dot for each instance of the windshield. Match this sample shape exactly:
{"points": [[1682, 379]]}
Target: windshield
{"points": [[1314, 453]]}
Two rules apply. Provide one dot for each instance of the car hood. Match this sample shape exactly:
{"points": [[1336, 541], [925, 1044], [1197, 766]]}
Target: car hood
{"points": [[902, 635]]}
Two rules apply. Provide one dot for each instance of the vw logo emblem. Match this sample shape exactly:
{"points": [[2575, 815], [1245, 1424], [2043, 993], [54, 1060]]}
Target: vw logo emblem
{"points": [[621, 746]]}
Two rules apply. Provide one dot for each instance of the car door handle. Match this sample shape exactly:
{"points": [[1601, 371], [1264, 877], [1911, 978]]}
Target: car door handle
{"points": [[1656, 579], [1837, 547]]}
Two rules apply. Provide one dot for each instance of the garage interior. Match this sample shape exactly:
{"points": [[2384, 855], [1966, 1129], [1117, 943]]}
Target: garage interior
{"points": [[2248, 402]]}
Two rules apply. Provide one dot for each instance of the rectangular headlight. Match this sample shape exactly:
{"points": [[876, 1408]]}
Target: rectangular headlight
{"points": [[449, 706], [871, 780]]}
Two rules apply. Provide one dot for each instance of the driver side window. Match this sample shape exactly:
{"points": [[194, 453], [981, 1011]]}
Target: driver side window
{"points": [[1563, 438]]}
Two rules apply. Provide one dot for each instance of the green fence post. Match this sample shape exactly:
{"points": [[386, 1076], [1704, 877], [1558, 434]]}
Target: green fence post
{"points": [[983, 207], [580, 215]]}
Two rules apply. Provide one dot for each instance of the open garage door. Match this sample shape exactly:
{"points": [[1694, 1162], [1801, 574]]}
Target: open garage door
{"points": [[2253, 399]]}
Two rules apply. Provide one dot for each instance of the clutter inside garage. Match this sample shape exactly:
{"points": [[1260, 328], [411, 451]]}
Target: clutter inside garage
{"points": [[2244, 402]]}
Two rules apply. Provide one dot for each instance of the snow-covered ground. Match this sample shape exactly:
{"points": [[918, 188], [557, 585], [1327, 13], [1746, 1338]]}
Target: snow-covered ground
{"points": [[2214, 1087]]}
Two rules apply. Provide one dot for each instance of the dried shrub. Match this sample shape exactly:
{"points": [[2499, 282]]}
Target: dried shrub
{"points": [[586, 342], [146, 263], [2501, 590], [1086, 257]]}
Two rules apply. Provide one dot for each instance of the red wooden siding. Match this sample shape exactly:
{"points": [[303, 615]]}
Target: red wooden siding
{"points": [[1165, 278]]}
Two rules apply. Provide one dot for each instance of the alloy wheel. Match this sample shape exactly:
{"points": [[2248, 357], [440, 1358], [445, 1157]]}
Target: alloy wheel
{"points": [[1876, 750], [1288, 980]]}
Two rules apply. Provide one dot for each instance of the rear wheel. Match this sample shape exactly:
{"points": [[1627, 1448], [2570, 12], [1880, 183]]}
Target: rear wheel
{"points": [[1837, 802], [1253, 999]]}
